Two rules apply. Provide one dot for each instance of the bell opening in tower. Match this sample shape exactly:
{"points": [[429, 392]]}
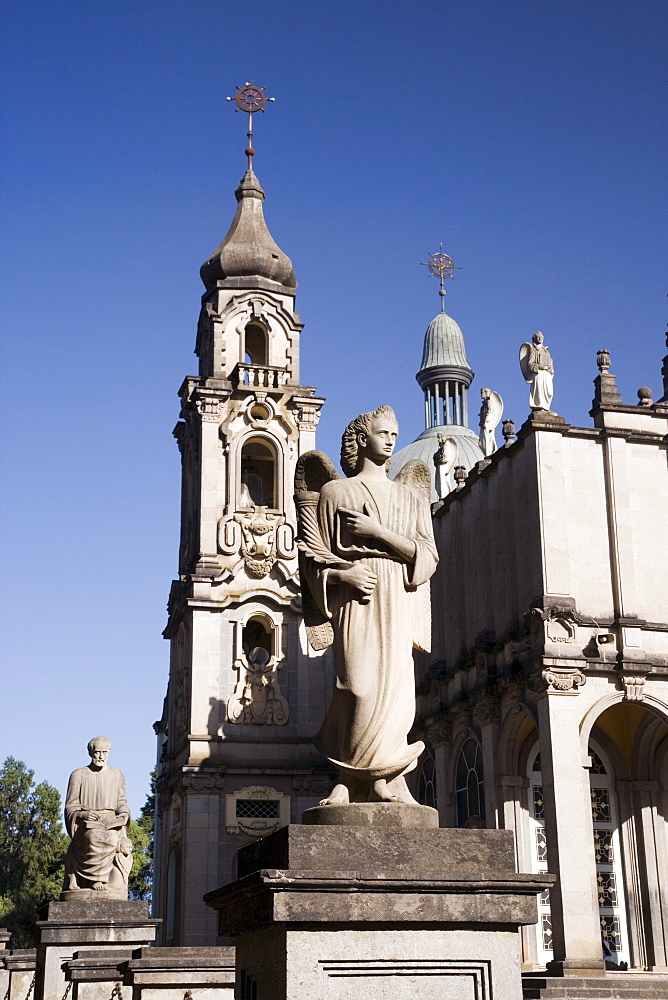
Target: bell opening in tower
{"points": [[255, 345], [258, 479]]}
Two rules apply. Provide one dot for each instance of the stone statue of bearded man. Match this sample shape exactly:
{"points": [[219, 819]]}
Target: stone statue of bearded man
{"points": [[97, 817]]}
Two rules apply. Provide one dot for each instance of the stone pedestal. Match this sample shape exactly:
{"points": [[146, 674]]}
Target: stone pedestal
{"points": [[67, 927], [170, 973], [94, 974], [20, 965], [333, 913], [5, 938]]}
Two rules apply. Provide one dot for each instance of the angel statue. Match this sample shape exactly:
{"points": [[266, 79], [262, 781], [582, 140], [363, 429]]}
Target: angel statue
{"points": [[538, 370], [444, 462], [490, 414], [366, 554]]}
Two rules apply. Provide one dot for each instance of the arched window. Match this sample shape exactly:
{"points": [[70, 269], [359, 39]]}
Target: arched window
{"points": [[258, 475], [469, 786], [255, 345], [427, 784], [257, 640]]}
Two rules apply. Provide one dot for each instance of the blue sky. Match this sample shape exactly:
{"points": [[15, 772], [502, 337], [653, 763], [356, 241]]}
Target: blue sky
{"points": [[529, 137]]}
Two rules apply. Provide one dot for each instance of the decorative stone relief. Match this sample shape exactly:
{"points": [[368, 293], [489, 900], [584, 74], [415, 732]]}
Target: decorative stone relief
{"points": [[307, 412], [257, 698], [208, 407], [256, 811], [438, 735], [486, 712], [552, 625], [634, 687], [558, 680], [559, 630], [311, 786], [197, 781], [260, 538]]}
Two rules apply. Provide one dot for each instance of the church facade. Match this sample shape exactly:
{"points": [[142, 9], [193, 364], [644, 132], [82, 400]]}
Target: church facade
{"points": [[544, 701]]}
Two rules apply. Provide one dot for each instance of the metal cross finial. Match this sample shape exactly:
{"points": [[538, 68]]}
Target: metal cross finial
{"points": [[442, 267], [250, 99]]}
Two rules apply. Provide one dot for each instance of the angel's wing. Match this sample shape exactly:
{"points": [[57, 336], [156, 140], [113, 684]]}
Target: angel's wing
{"points": [[525, 354], [416, 475], [314, 469], [494, 410]]}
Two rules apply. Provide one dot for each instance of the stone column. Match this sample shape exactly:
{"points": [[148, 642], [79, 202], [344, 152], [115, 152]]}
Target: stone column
{"points": [[628, 831], [439, 739], [513, 808], [201, 839], [653, 852], [208, 407], [487, 716], [569, 830]]}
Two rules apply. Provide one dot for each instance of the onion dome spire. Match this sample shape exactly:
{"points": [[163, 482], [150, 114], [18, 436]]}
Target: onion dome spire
{"points": [[249, 250]]}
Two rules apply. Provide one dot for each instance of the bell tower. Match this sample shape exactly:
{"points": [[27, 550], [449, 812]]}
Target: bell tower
{"points": [[246, 693]]}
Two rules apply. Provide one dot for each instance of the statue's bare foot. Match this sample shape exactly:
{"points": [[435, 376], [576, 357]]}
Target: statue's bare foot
{"points": [[381, 793], [337, 797], [400, 791], [99, 886]]}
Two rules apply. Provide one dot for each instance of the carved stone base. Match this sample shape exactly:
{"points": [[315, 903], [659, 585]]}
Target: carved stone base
{"points": [[372, 814], [93, 895], [92, 919], [342, 913]]}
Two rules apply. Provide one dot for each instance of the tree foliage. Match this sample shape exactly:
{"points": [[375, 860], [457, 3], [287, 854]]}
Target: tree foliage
{"points": [[32, 848], [141, 834]]}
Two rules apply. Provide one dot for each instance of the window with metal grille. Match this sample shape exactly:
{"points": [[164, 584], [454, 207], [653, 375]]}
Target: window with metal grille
{"points": [[257, 808]]}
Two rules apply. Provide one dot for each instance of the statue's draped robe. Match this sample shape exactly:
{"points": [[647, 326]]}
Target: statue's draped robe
{"points": [[542, 385], [95, 843], [373, 705]]}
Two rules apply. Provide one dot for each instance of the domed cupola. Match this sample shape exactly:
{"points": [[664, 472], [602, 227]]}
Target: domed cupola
{"points": [[444, 376], [248, 250]]}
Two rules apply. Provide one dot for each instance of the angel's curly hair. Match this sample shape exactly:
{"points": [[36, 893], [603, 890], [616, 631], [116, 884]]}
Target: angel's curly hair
{"points": [[360, 425]]}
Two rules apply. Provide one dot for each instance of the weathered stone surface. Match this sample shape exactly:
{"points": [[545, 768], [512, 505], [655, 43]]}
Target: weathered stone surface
{"points": [[65, 927], [20, 965], [402, 814], [621, 986], [160, 973], [460, 854], [332, 911], [401, 964], [348, 898]]}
